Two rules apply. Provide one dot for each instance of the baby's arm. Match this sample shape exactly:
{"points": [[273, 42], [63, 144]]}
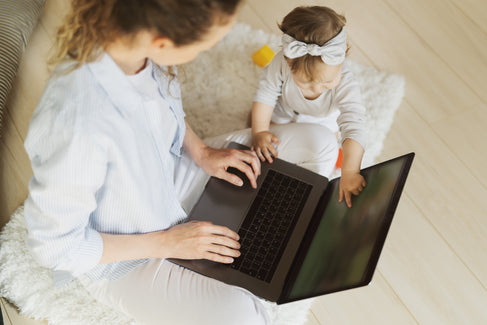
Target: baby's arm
{"points": [[263, 141], [352, 128], [270, 88], [351, 182]]}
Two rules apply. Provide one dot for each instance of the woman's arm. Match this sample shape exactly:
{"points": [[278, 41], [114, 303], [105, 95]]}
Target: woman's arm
{"points": [[68, 170], [192, 240]]}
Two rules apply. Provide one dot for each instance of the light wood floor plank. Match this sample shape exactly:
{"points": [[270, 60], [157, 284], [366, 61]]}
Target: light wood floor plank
{"points": [[476, 10], [431, 86], [427, 275], [248, 15], [375, 304], [6, 319], [465, 134], [444, 189], [16, 318], [356, 54], [312, 320], [271, 12], [455, 38]]}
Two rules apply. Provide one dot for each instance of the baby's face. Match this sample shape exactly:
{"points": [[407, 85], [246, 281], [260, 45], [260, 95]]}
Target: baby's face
{"points": [[329, 78]]}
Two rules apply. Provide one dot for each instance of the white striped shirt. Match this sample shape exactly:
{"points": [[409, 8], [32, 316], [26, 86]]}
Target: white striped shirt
{"points": [[103, 155]]}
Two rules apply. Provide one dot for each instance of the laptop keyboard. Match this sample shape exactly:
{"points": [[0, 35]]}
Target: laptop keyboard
{"points": [[268, 225]]}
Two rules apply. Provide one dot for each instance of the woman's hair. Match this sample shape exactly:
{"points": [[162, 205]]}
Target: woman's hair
{"points": [[311, 25], [92, 24]]}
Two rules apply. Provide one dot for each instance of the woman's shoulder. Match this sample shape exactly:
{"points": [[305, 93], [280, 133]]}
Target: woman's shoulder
{"points": [[71, 87], [69, 80], [70, 99], [64, 84]]}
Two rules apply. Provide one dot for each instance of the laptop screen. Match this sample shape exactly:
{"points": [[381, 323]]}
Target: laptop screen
{"points": [[341, 253]]}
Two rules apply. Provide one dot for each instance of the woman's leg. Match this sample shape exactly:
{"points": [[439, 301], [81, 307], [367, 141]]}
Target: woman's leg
{"points": [[160, 292]]}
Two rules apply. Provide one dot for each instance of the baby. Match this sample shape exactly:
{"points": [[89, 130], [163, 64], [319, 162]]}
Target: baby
{"points": [[309, 82]]}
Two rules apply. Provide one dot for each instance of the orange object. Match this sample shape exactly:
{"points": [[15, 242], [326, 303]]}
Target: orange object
{"points": [[338, 164], [263, 56]]}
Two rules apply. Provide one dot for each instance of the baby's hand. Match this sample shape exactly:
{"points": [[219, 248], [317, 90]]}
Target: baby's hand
{"points": [[263, 145], [350, 183]]}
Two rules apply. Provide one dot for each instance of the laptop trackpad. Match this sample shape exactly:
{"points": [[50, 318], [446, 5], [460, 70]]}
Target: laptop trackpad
{"points": [[223, 203]]}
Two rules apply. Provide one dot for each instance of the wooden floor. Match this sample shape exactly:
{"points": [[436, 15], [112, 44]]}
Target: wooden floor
{"points": [[433, 269]]}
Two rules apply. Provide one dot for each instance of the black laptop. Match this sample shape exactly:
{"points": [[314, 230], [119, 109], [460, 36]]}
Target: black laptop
{"points": [[297, 240]]}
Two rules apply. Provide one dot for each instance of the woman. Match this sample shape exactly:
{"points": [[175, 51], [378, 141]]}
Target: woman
{"points": [[116, 166]]}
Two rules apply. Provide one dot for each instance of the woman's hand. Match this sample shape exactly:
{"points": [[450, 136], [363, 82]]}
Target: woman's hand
{"points": [[191, 240], [263, 143], [199, 240], [215, 162], [350, 183]]}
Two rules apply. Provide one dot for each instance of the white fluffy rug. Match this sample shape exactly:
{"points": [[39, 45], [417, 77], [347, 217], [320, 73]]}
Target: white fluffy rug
{"points": [[217, 93]]}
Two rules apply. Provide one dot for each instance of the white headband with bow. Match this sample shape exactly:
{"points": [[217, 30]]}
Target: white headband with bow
{"points": [[332, 52]]}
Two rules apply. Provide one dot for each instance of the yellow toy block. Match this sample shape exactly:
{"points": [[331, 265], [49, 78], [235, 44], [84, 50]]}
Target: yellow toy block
{"points": [[263, 56]]}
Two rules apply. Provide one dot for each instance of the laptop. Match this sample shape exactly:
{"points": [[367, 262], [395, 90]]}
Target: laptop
{"points": [[297, 240]]}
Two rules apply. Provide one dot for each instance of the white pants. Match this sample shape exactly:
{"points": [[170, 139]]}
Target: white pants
{"points": [[160, 292], [280, 115]]}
